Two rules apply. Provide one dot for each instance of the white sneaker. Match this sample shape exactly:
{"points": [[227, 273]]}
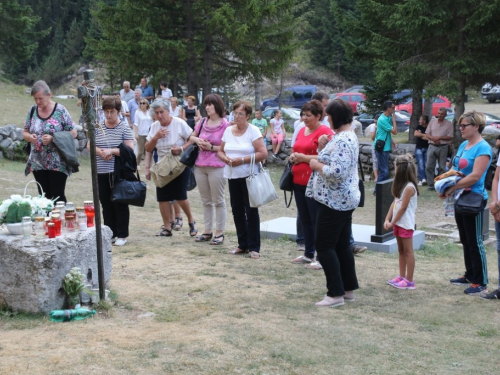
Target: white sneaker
{"points": [[120, 241], [420, 183]]}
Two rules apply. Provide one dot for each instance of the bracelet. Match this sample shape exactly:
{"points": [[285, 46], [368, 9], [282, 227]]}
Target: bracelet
{"points": [[211, 147], [242, 160], [182, 149]]}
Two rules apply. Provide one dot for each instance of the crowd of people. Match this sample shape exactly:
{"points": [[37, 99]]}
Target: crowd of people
{"points": [[324, 160]]}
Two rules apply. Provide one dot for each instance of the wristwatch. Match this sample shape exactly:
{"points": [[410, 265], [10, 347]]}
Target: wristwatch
{"points": [[242, 160], [211, 147]]}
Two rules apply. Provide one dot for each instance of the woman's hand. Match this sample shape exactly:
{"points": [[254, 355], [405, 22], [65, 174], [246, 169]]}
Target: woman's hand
{"points": [[323, 141], [203, 144], [388, 225], [493, 208], [449, 192], [33, 138], [46, 139], [176, 150], [106, 154], [162, 132], [148, 174], [497, 216], [297, 158], [315, 165]]}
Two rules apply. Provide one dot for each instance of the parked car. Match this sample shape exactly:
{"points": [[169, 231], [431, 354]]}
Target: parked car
{"points": [[353, 98], [293, 96], [490, 119], [437, 102], [355, 88], [402, 120], [490, 93], [292, 113], [403, 94]]}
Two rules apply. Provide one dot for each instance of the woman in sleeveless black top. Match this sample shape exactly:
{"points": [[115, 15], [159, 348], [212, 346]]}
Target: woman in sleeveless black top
{"points": [[191, 114]]}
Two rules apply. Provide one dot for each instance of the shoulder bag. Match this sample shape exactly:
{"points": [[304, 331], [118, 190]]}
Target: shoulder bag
{"points": [[469, 203], [167, 169], [129, 192], [286, 183], [260, 187], [380, 144], [27, 145], [188, 157]]}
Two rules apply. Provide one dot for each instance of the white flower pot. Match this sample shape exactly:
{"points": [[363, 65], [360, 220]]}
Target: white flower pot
{"points": [[15, 228]]}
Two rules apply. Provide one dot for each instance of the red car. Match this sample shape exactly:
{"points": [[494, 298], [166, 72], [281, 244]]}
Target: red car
{"points": [[350, 97], [438, 102]]}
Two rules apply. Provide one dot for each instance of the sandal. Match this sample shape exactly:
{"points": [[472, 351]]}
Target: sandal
{"points": [[217, 240], [192, 230], [164, 233], [171, 225], [237, 251], [205, 237], [178, 224], [254, 255]]}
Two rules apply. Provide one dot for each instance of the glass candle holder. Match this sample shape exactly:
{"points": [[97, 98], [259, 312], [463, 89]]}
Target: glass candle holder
{"points": [[90, 212], [51, 230], [27, 226]]}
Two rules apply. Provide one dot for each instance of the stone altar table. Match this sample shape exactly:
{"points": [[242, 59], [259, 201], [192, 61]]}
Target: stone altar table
{"points": [[32, 270]]}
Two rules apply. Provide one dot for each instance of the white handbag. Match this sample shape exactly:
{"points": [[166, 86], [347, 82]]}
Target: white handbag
{"points": [[260, 187]]}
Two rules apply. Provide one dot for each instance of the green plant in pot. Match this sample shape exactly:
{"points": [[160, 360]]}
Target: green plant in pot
{"points": [[73, 285]]}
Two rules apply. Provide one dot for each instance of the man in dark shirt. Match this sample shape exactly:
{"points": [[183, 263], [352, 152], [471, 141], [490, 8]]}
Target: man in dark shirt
{"points": [[422, 144]]}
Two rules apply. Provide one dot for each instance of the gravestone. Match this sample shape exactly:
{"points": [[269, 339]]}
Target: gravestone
{"points": [[384, 200]]}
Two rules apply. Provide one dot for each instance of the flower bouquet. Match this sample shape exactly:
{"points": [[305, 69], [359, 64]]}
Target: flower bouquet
{"points": [[73, 285], [13, 210]]}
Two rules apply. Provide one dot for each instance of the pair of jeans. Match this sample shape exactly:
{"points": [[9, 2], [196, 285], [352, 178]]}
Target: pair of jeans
{"points": [[308, 210], [53, 184], [116, 215], [383, 165], [246, 218], [497, 231], [421, 156], [470, 229], [333, 230], [300, 232]]}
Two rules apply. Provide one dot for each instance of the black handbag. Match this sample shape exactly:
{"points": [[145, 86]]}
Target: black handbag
{"points": [[192, 181], [27, 145], [188, 157], [129, 192], [469, 203], [286, 182]]}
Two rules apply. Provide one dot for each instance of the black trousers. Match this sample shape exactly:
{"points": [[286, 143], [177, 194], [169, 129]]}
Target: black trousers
{"points": [[116, 215], [470, 229], [53, 184], [308, 211], [246, 219], [333, 234]]}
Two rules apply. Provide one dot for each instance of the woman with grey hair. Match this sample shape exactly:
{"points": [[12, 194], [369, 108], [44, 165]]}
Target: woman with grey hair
{"points": [[169, 134], [44, 119]]}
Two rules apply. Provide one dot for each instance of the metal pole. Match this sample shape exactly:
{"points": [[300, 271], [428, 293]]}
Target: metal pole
{"points": [[89, 103]]}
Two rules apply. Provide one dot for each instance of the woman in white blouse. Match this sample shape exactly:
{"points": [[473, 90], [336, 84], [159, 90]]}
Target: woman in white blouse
{"points": [[175, 109], [142, 123], [169, 134], [239, 142], [335, 185]]}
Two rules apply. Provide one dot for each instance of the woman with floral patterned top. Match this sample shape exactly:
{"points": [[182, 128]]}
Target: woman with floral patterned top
{"points": [[334, 185], [43, 120]]}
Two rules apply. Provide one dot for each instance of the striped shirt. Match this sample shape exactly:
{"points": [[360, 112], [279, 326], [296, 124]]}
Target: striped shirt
{"points": [[110, 138]]}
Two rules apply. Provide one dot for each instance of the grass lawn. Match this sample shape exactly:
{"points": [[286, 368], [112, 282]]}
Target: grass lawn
{"points": [[181, 307]]}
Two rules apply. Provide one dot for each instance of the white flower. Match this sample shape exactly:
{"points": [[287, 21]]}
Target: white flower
{"points": [[16, 197]]}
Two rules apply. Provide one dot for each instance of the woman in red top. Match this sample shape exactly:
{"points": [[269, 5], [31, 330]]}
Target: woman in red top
{"points": [[305, 149]]}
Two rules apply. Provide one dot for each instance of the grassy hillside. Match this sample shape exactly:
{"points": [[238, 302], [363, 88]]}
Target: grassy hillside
{"points": [[15, 103]]}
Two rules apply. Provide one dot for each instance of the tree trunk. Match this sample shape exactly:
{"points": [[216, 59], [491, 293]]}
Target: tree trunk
{"points": [[258, 93], [428, 108], [192, 80], [208, 57], [416, 98], [462, 82], [281, 91]]}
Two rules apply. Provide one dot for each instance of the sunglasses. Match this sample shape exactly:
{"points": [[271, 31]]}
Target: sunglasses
{"points": [[144, 103]]}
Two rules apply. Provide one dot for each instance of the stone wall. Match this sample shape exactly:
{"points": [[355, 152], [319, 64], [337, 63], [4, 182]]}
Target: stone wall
{"points": [[365, 153], [11, 136]]}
